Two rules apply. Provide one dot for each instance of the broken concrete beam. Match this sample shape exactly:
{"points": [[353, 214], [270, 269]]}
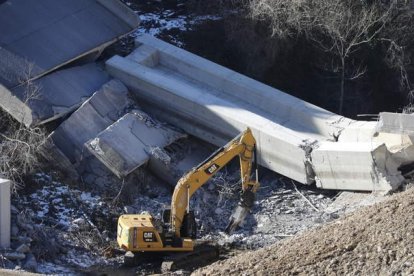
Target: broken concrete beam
{"points": [[398, 123], [52, 96], [38, 37], [5, 213], [355, 166], [130, 142], [97, 113]]}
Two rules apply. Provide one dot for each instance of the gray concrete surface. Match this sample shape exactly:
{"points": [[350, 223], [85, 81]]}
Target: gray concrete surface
{"points": [[54, 95], [38, 37], [5, 213], [49, 34], [370, 166], [132, 141], [97, 113], [295, 138], [396, 123]]}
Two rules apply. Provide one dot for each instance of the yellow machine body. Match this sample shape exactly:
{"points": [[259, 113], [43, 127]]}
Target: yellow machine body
{"points": [[138, 233]]}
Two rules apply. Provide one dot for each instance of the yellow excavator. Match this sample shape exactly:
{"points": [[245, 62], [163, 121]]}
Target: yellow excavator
{"points": [[176, 232]]}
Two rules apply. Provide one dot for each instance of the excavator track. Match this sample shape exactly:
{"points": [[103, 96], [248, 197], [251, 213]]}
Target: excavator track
{"points": [[202, 255]]}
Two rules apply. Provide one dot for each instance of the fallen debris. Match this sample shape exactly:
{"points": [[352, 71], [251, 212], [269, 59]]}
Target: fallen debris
{"points": [[101, 110], [129, 142], [372, 240]]}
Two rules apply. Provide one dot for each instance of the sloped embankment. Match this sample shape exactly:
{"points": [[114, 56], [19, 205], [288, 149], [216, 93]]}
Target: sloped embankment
{"points": [[375, 240]]}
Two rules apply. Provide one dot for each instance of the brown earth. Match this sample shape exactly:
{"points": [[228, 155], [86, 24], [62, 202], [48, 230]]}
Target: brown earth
{"points": [[374, 240]]}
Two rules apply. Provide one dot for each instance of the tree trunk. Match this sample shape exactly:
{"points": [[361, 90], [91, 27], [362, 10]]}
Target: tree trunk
{"points": [[341, 97]]}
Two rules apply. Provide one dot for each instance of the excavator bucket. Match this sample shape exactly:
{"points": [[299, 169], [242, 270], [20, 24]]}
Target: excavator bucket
{"points": [[241, 211], [236, 219]]}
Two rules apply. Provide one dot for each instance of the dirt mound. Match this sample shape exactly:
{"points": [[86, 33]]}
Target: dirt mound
{"points": [[375, 240]]}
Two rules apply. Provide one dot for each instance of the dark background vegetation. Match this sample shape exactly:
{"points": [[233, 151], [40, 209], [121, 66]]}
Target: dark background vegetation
{"points": [[294, 63]]}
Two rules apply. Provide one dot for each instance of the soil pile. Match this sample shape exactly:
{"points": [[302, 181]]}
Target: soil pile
{"points": [[375, 240]]}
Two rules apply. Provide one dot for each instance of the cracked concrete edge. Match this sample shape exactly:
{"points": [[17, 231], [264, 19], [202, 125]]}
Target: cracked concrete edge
{"points": [[356, 166], [58, 159], [399, 123], [125, 145], [16, 108], [102, 109]]}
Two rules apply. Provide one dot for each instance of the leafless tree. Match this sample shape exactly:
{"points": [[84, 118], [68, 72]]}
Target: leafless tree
{"points": [[340, 28], [19, 146]]}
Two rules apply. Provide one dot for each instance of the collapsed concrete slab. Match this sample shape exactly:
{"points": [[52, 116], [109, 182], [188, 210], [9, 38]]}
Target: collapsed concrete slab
{"points": [[132, 141], [5, 213], [66, 143], [214, 103], [103, 128], [53, 96], [42, 36], [39, 36]]}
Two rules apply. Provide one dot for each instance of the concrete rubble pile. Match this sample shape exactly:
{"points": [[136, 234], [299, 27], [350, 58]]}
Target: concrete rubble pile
{"points": [[295, 138], [104, 131]]}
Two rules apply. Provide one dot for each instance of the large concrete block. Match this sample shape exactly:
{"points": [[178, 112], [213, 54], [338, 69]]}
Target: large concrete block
{"points": [[396, 123], [101, 110], [130, 142], [5, 213], [355, 166]]}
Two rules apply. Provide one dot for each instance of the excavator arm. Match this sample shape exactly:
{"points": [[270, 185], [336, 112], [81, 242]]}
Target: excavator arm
{"points": [[244, 146]]}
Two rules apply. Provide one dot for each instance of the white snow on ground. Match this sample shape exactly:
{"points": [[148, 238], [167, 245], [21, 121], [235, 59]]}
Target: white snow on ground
{"points": [[67, 212], [157, 23]]}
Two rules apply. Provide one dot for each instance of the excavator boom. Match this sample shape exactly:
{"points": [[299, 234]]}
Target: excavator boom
{"points": [[244, 146]]}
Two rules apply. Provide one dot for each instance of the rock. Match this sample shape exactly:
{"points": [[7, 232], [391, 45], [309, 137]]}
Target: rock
{"points": [[129, 210], [24, 248], [80, 223], [14, 210], [22, 223], [30, 263], [218, 211], [14, 230], [13, 256], [26, 240]]}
